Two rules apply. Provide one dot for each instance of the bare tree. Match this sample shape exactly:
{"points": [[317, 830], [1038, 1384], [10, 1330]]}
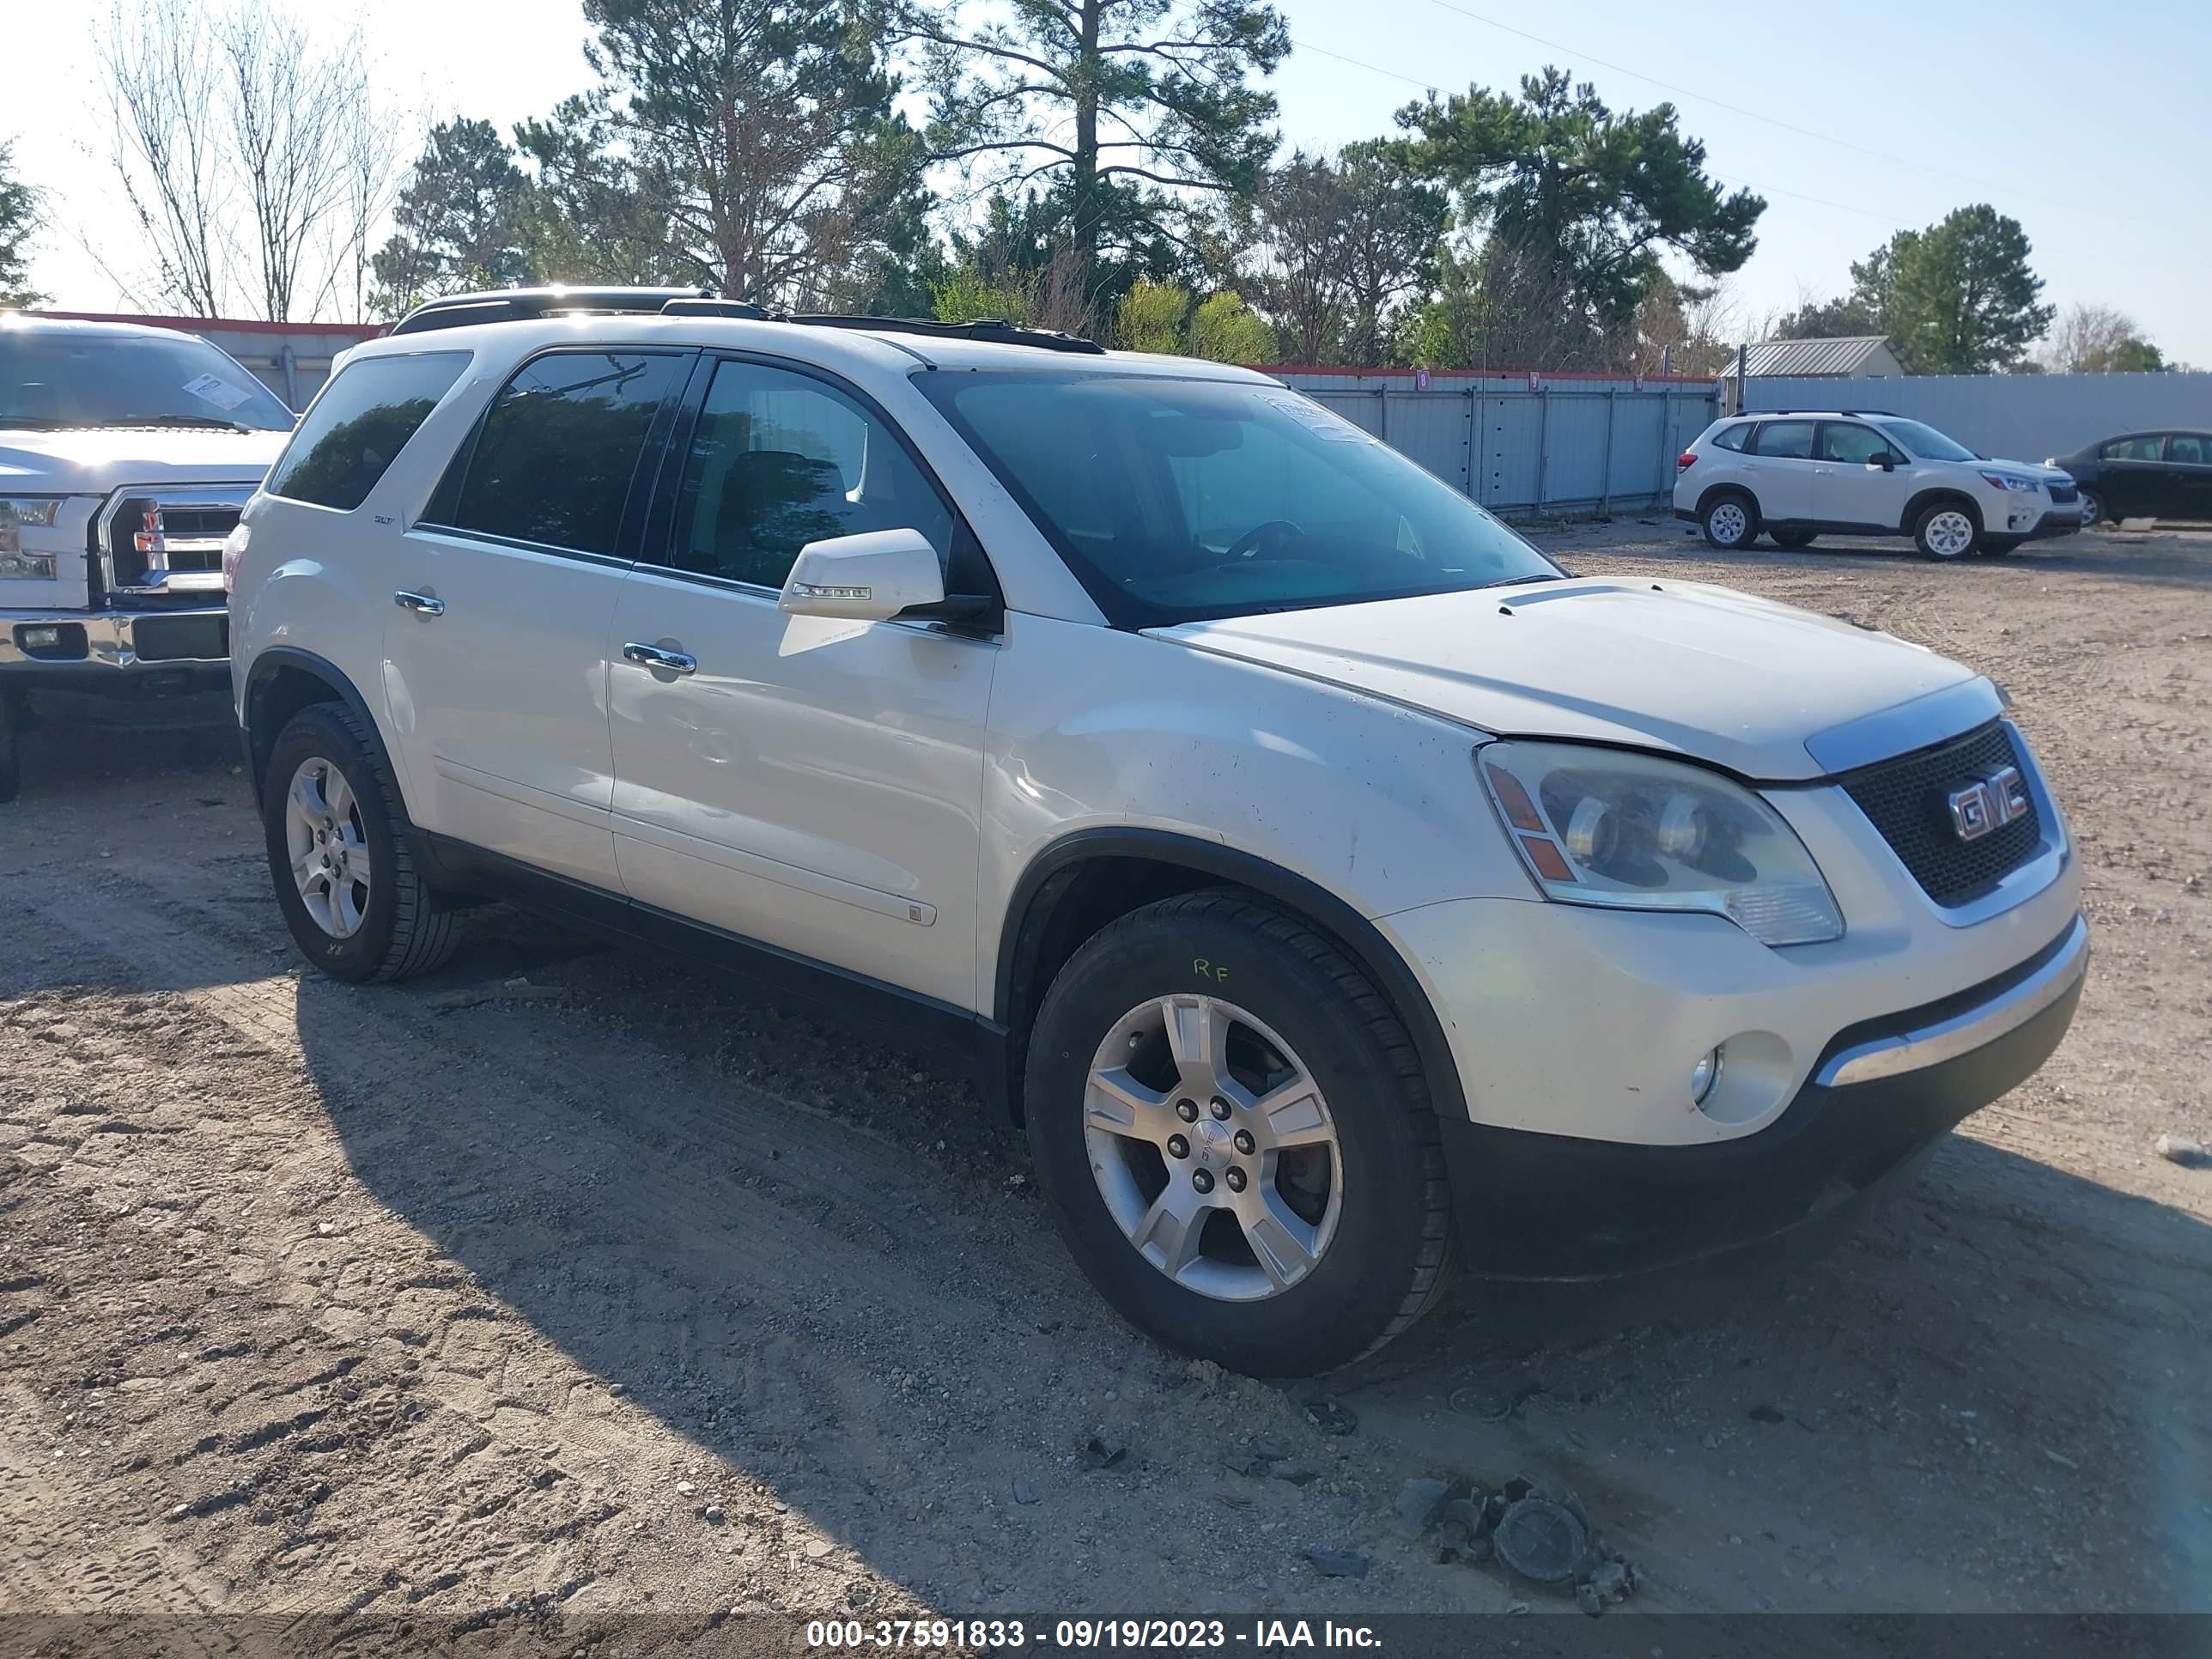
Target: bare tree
{"points": [[2093, 339], [289, 110], [368, 182], [1303, 215], [162, 74]]}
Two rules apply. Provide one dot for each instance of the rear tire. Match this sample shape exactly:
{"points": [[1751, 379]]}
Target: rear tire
{"points": [[338, 857], [1731, 521], [1946, 531], [1307, 1246], [1795, 539]]}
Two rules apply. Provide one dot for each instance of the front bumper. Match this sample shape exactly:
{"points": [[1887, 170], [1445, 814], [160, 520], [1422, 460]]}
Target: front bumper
{"points": [[96, 649], [1545, 1206], [2058, 521]]}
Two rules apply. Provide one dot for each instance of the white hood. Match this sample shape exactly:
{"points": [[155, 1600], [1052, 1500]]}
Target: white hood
{"points": [[1698, 670], [93, 460]]}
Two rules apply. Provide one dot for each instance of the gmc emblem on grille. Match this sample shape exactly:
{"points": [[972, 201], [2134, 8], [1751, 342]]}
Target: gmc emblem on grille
{"points": [[1987, 803]]}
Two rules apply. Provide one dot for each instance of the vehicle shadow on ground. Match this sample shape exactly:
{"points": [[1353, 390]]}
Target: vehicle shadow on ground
{"points": [[2159, 558], [2001, 1333]]}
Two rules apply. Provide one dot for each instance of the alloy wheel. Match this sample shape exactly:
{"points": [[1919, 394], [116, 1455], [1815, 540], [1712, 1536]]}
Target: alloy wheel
{"points": [[1727, 523], [1213, 1147], [1949, 533], [329, 848]]}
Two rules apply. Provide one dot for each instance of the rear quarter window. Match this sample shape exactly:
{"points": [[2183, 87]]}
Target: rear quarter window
{"points": [[357, 428], [1733, 437]]}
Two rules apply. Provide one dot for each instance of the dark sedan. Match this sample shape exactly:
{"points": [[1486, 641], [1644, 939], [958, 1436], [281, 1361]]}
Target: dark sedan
{"points": [[2144, 475]]}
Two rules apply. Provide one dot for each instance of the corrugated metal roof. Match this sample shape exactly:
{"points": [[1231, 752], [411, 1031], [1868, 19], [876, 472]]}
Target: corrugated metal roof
{"points": [[1848, 357]]}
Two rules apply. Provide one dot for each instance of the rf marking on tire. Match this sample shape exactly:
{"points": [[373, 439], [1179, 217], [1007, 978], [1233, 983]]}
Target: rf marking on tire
{"points": [[1206, 970]]}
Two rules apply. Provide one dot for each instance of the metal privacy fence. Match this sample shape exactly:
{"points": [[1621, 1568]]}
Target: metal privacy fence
{"points": [[1523, 444], [2023, 417]]}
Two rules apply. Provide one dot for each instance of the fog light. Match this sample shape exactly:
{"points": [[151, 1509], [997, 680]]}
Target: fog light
{"points": [[1703, 1075], [40, 639]]}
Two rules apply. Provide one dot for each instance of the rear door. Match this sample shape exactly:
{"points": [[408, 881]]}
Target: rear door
{"points": [[495, 630], [1854, 488], [1782, 471], [2189, 476], [815, 785]]}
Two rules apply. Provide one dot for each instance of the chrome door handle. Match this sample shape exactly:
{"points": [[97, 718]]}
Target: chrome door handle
{"points": [[652, 656], [422, 605]]}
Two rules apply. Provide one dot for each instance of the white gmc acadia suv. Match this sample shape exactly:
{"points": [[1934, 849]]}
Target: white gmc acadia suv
{"points": [[1797, 473], [1331, 884]]}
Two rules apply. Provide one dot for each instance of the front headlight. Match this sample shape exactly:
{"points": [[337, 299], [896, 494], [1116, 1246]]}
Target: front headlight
{"points": [[2007, 480], [1611, 827], [17, 515]]}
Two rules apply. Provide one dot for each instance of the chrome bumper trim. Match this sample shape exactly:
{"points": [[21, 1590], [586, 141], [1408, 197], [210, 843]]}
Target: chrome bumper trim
{"points": [[110, 648], [1931, 1045]]}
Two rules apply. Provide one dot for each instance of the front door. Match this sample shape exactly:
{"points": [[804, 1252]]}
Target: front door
{"points": [[814, 786], [495, 643], [1854, 486], [2133, 471]]}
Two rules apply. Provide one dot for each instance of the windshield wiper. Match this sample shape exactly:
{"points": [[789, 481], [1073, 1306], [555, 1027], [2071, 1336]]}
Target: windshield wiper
{"points": [[1532, 576], [33, 422], [214, 422]]}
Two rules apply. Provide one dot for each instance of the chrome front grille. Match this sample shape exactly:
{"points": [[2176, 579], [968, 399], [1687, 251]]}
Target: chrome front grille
{"points": [[158, 541], [1907, 800]]}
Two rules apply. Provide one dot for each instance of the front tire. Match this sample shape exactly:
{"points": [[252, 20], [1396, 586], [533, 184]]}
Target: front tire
{"points": [[1946, 531], [2093, 508], [339, 855], [1235, 1136], [1729, 521]]}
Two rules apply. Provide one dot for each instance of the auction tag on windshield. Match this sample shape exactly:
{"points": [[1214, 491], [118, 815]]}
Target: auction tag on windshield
{"points": [[214, 389], [1319, 421]]}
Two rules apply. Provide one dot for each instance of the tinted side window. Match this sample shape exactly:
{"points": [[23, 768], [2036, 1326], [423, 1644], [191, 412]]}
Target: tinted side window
{"points": [[559, 448], [2151, 448], [1733, 437], [1790, 440], [1856, 444], [359, 424], [780, 459], [2188, 452]]}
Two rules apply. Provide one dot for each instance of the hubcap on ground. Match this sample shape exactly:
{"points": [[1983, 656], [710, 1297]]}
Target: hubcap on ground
{"points": [[1238, 1201], [329, 850], [1950, 534], [1728, 524]]}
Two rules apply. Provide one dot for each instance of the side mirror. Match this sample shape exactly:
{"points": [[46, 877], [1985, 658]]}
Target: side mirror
{"points": [[1886, 461], [871, 577]]}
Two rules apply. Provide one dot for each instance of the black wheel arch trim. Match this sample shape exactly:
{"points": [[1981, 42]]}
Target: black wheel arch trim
{"points": [[1374, 954], [1714, 492], [1928, 498]]}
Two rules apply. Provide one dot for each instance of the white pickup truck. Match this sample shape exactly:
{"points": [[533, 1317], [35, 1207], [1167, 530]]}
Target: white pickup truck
{"points": [[126, 455]]}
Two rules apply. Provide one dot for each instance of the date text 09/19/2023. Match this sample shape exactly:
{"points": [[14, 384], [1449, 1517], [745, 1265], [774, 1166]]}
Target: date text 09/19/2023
{"points": [[1260, 1635]]}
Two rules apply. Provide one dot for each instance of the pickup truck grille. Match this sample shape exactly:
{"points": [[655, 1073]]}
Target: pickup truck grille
{"points": [[1907, 799], [161, 543]]}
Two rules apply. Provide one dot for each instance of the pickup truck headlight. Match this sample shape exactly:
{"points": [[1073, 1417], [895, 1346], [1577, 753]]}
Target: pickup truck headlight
{"points": [[17, 515], [1613, 828]]}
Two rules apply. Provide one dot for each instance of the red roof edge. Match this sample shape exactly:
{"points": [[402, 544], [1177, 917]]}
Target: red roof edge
{"points": [[1482, 373], [229, 324]]}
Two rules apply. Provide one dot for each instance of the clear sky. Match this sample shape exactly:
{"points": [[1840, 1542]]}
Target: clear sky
{"points": [[2091, 128]]}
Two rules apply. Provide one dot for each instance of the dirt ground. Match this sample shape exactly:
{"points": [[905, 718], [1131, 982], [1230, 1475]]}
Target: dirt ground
{"points": [[617, 1292]]}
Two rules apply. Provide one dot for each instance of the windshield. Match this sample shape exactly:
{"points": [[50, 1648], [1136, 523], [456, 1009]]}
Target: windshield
{"points": [[1174, 500], [1925, 441], [64, 378]]}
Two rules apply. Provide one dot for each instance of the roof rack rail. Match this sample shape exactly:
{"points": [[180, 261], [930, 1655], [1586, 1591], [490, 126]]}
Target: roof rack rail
{"points": [[996, 329], [515, 305]]}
